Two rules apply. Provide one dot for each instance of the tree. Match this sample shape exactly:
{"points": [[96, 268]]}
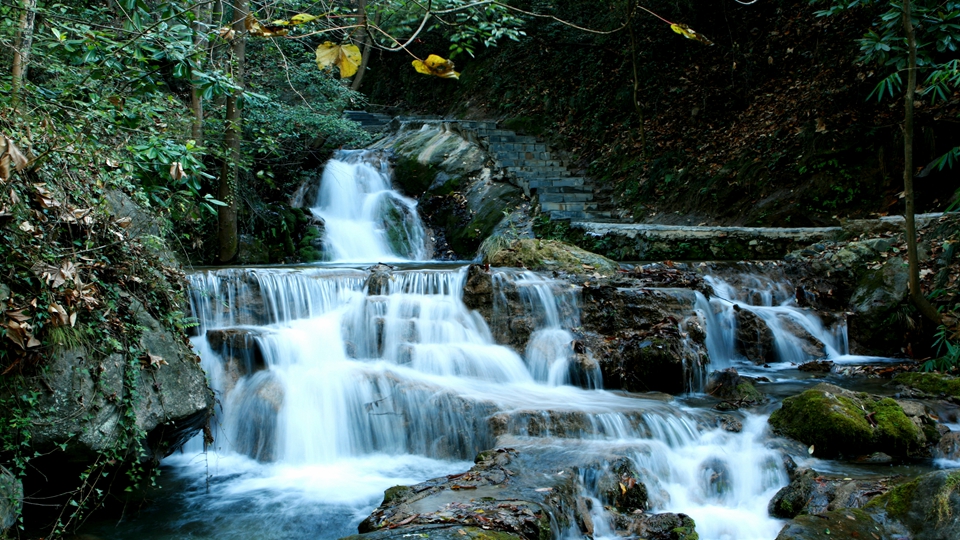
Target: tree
{"points": [[227, 192], [886, 47]]}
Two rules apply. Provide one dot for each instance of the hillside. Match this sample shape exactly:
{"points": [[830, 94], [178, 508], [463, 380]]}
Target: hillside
{"points": [[770, 125]]}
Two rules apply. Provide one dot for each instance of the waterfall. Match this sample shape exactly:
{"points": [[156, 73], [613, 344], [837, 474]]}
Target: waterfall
{"points": [[364, 218], [328, 394], [798, 335]]}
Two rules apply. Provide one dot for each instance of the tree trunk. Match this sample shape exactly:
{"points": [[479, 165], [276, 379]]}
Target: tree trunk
{"points": [[227, 215], [200, 22], [916, 294], [367, 42], [21, 53]]}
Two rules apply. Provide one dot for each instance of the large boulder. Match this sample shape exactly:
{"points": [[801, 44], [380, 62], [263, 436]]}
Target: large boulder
{"points": [[837, 422], [754, 339], [85, 403], [812, 493], [928, 506], [874, 304], [644, 339], [733, 390]]}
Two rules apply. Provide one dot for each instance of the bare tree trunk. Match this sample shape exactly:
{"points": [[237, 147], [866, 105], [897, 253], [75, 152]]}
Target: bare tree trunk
{"points": [[21, 53], [916, 294], [227, 215], [367, 43]]}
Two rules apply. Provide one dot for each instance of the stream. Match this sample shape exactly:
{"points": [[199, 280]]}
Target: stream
{"points": [[328, 394]]}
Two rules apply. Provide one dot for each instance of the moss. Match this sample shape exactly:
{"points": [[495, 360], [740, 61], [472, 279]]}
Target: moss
{"points": [[832, 423], [941, 502], [931, 383], [552, 255], [412, 177], [747, 392], [897, 501], [895, 433]]}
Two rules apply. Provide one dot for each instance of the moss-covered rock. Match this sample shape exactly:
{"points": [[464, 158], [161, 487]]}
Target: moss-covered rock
{"points": [[827, 417], [839, 422], [846, 523], [551, 255], [894, 432], [932, 384], [928, 506]]}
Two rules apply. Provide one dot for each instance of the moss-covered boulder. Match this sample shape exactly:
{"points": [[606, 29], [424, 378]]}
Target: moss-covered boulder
{"points": [[928, 506], [838, 422], [733, 390], [847, 523], [551, 255], [932, 385]]}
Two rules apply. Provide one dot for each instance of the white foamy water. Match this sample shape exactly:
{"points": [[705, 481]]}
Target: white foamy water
{"points": [[365, 219]]}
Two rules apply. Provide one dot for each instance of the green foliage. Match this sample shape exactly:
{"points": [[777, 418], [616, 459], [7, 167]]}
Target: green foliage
{"points": [[948, 351]]}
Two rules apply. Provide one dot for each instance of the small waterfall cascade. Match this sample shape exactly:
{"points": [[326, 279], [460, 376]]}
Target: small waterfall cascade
{"points": [[766, 307], [365, 219], [551, 310], [333, 386]]}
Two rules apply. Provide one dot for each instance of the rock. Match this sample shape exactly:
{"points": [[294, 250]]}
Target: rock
{"points": [[82, 400], [847, 523], [643, 339], [252, 250], [875, 301], [816, 366], [928, 506], [949, 446], [792, 499], [551, 255], [734, 390], [933, 385], [378, 282], [754, 340], [478, 291], [657, 526], [620, 486], [11, 499], [812, 493], [836, 421]]}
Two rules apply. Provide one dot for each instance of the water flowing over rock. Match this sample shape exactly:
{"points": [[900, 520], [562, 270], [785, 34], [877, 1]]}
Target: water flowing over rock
{"points": [[364, 218]]}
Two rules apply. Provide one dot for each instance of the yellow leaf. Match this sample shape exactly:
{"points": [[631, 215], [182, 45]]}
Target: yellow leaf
{"points": [[303, 18], [436, 66], [689, 33], [345, 57], [280, 22], [256, 29]]}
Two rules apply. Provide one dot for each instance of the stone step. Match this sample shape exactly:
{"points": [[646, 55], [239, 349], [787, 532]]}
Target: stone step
{"points": [[564, 197], [567, 215], [562, 206], [564, 189]]}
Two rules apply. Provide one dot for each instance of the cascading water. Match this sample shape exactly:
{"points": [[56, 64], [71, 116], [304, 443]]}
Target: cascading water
{"points": [[364, 219], [328, 394]]}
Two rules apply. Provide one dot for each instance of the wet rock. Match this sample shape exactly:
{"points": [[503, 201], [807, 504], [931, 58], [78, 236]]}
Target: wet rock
{"points": [[257, 400], [551, 255], [754, 339], [611, 308], [874, 303], [812, 493], [816, 366], [496, 494], [642, 362], [836, 421], [657, 526], [847, 523], [478, 291], [378, 282], [729, 423], [734, 390], [11, 499], [928, 506], [949, 446], [620, 487], [810, 345]]}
